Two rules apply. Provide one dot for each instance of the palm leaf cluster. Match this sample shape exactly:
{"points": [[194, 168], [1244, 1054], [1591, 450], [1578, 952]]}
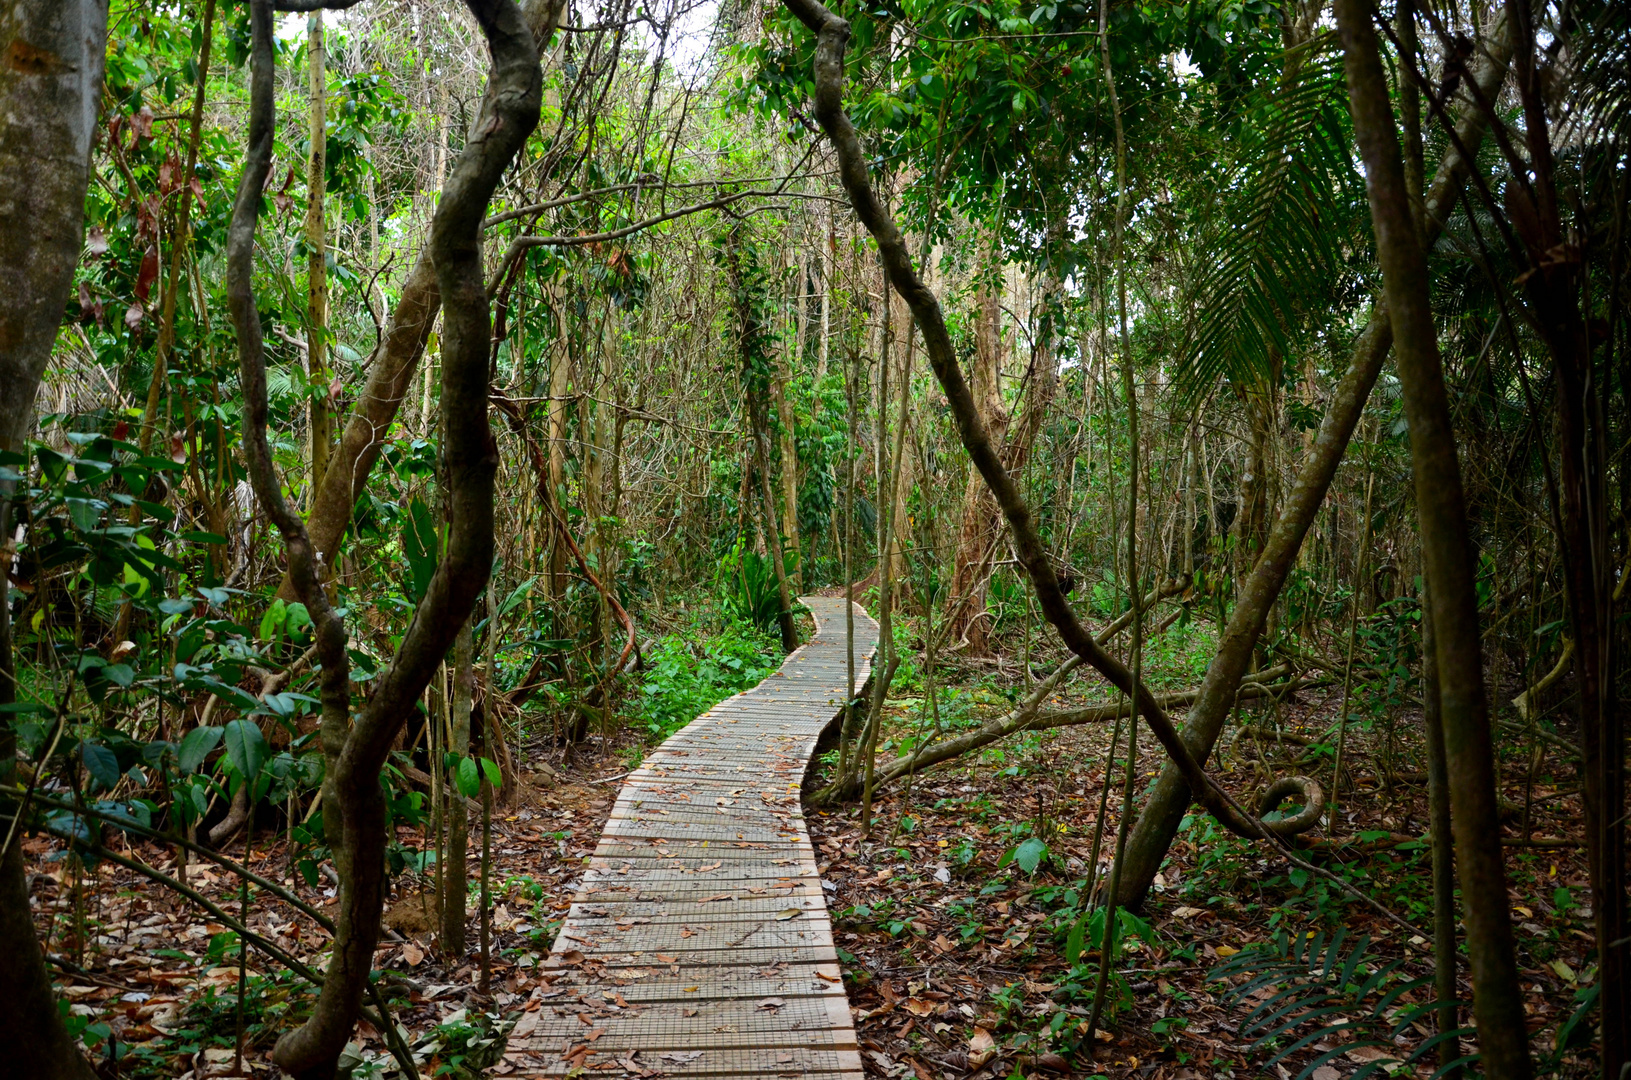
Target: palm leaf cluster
{"points": [[1285, 218], [1309, 990]]}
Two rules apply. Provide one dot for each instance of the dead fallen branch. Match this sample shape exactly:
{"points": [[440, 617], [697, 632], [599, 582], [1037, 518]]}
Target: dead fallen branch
{"points": [[1027, 716]]}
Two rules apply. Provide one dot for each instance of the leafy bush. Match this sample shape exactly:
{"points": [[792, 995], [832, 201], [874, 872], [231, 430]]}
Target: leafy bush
{"points": [[688, 674], [748, 586]]}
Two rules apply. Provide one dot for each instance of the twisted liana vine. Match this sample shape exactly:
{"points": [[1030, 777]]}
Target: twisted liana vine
{"points": [[355, 748]]}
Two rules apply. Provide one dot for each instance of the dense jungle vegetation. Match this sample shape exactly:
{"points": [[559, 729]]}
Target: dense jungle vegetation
{"points": [[412, 411]]}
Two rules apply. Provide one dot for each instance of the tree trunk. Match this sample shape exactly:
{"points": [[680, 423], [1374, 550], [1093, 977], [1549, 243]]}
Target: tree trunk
{"points": [[319, 416], [1447, 559], [790, 469], [1438, 813], [1251, 524], [784, 619], [1158, 824], [455, 886], [980, 525], [49, 89]]}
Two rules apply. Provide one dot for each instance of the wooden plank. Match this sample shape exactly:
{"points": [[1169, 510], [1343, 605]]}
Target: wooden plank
{"points": [[698, 942]]}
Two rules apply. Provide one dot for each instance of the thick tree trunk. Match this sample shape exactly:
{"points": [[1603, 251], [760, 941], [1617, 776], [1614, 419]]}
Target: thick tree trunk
{"points": [[50, 84], [1447, 558], [1158, 824], [1251, 524], [980, 525], [784, 618], [319, 414], [1438, 813]]}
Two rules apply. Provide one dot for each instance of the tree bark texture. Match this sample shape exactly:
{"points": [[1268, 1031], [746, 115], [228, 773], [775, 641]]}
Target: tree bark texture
{"points": [[51, 56], [981, 524], [1447, 557], [319, 413], [1164, 810], [980, 527]]}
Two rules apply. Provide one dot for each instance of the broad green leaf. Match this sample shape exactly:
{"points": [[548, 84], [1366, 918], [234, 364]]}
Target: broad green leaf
{"points": [[246, 748], [420, 544], [298, 619], [100, 763], [272, 622], [1076, 940], [196, 746], [84, 513], [468, 778], [1030, 853], [495, 776]]}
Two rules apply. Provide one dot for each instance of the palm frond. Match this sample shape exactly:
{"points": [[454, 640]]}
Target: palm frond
{"points": [[1602, 39], [1311, 989], [1283, 224]]}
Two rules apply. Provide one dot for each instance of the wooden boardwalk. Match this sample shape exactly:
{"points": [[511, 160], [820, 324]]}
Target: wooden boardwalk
{"points": [[698, 943]]}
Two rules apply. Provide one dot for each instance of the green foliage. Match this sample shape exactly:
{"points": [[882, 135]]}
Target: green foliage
{"points": [[1289, 211], [1028, 854], [465, 1045], [421, 545], [689, 673], [748, 587], [1307, 988]]}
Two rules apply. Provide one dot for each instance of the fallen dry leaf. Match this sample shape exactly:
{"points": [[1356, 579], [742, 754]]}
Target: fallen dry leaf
{"points": [[981, 1048]]}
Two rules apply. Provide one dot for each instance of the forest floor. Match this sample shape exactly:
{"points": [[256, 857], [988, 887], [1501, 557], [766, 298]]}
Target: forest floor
{"points": [[953, 947], [956, 963]]}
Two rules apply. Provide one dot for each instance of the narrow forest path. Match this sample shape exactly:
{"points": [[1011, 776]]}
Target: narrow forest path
{"points": [[698, 943]]}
